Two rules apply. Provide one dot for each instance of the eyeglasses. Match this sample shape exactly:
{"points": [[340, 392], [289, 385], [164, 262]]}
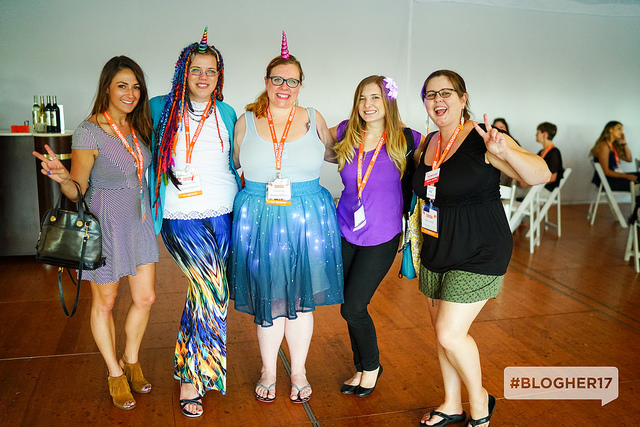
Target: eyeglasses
{"points": [[277, 81], [210, 72], [444, 93]]}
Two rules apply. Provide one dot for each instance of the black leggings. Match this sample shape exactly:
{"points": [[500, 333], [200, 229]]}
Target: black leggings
{"points": [[364, 269]]}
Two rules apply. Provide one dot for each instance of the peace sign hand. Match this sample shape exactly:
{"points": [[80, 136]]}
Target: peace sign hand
{"points": [[52, 166], [494, 140]]}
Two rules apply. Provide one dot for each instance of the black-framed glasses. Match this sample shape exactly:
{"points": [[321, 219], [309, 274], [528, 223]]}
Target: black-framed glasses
{"points": [[444, 93], [277, 81], [209, 72]]}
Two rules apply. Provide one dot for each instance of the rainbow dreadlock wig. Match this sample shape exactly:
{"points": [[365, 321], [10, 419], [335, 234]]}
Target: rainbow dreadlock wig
{"points": [[177, 101]]}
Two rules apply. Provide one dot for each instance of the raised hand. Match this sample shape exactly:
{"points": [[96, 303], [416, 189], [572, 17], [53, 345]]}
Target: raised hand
{"points": [[53, 167], [493, 139]]}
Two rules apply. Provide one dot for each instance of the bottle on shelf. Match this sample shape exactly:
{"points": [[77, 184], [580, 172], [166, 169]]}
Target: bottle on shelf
{"points": [[47, 114], [55, 115], [42, 120], [35, 113]]}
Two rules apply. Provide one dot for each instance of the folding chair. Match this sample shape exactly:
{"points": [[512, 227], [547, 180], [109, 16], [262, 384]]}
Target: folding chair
{"points": [[610, 195], [554, 197], [524, 208], [632, 246], [508, 196]]}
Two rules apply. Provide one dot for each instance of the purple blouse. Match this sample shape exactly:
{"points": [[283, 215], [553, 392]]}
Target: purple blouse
{"points": [[382, 197]]}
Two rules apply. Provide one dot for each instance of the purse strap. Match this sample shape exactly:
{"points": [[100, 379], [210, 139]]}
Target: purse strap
{"points": [[81, 205]]}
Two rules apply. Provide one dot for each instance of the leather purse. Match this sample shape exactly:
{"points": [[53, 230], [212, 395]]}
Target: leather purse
{"points": [[70, 239]]}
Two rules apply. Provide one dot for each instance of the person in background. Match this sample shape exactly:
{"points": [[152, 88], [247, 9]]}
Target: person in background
{"points": [[609, 149], [501, 123], [194, 184], [550, 153], [285, 249], [109, 160], [372, 157], [467, 242]]}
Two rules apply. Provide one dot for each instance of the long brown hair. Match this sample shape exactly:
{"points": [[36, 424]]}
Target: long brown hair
{"points": [[140, 117], [260, 105], [395, 142], [605, 137]]}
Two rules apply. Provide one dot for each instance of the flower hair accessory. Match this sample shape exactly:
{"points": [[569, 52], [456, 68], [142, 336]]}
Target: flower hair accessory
{"points": [[392, 88], [284, 50], [202, 47]]}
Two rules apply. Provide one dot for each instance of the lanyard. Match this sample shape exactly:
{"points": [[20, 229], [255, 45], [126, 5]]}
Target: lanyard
{"points": [[546, 151], [278, 148], [362, 182], [615, 153], [438, 158], [187, 134], [137, 155]]}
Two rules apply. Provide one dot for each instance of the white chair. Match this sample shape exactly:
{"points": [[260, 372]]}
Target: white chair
{"points": [[545, 204], [508, 196], [632, 246], [527, 208], [610, 195]]}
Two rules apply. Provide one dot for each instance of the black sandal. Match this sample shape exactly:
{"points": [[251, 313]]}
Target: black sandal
{"points": [[446, 419], [492, 407], [185, 402]]}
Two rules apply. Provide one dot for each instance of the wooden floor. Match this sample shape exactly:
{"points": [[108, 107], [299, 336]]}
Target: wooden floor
{"points": [[574, 302]]}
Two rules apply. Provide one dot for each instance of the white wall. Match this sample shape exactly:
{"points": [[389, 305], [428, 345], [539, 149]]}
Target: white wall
{"points": [[573, 69]]}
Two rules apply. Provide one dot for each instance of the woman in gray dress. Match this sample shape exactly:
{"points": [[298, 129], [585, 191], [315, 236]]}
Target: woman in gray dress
{"points": [[109, 159]]}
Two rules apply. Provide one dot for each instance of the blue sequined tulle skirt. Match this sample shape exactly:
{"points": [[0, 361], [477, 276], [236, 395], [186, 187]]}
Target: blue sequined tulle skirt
{"points": [[284, 259]]}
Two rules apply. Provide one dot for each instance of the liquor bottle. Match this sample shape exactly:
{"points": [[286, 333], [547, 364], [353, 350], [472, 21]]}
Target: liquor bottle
{"points": [[35, 113], [41, 116], [47, 114], [55, 115]]}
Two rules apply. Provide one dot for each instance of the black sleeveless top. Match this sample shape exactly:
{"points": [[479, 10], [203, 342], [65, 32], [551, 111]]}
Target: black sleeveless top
{"points": [[473, 230]]}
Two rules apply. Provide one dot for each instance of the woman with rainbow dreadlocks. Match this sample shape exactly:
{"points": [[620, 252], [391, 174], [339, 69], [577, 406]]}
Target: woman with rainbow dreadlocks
{"points": [[193, 185], [285, 249]]}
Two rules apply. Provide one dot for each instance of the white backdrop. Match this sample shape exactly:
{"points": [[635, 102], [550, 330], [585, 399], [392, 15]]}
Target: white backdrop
{"points": [[573, 63]]}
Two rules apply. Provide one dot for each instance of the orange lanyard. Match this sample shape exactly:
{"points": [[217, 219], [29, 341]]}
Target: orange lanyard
{"points": [[615, 153], [362, 182], [278, 148], [137, 155], [437, 158], [546, 151], [187, 134]]}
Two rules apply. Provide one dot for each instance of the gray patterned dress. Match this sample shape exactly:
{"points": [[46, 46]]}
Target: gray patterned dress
{"points": [[114, 197]]}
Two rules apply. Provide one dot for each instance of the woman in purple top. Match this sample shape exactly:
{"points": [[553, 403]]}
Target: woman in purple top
{"points": [[371, 156]]}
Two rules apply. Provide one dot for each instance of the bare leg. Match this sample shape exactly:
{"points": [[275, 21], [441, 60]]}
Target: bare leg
{"points": [[458, 356], [298, 333], [269, 340], [142, 287]]}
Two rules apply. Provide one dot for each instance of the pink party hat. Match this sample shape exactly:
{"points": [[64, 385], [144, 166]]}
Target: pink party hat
{"points": [[285, 49], [202, 48]]}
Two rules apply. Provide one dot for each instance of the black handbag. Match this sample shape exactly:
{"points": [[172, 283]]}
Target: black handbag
{"points": [[69, 240]]}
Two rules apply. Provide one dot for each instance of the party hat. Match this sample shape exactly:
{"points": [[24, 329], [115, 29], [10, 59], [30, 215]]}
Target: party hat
{"points": [[285, 49], [202, 47]]}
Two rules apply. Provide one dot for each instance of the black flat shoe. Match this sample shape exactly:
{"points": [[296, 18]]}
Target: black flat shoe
{"points": [[446, 419], [348, 389], [363, 391], [492, 407]]}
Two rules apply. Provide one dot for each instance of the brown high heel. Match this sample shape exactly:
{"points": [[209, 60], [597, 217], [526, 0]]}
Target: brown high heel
{"points": [[134, 375], [120, 392]]}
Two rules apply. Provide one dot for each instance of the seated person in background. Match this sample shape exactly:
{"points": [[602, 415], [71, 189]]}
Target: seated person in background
{"points": [[501, 123], [550, 153], [610, 147]]}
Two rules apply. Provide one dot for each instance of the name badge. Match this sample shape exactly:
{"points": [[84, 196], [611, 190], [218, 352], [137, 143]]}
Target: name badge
{"points": [[432, 177], [431, 192], [279, 192], [430, 220], [189, 183], [359, 219]]}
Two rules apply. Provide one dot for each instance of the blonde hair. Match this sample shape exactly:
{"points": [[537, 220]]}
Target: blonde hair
{"points": [[395, 142], [260, 105]]}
